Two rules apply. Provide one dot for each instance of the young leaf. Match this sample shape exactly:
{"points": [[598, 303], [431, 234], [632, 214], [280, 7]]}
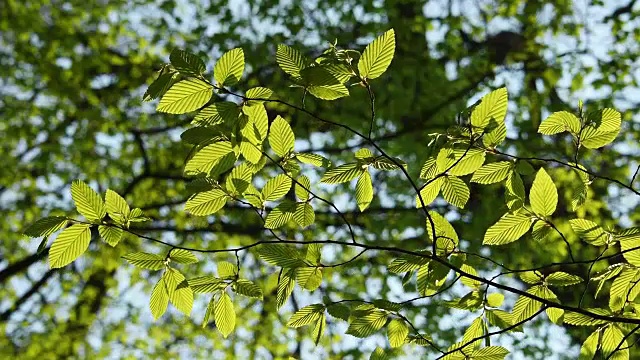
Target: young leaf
{"points": [[397, 332], [429, 192], [377, 56], [309, 278], [217, 113], [318, 329], [540, 230], [303, 185], [290, 60], [281, 137], [624, 288], [69, 245], [459, 161], [187, 63], [185, 96], [444, 230], [514, 194], [603, 128], [286, 282], [46, 226], [280, 215], [474, 331], [589, 231], [493, 106], [110, 234], [206, 203], [613, 340], [313, 159], [281, 255], [342, 173], [304, 214], [224, 314], [160, 86], [455, 191], [544, 195], [276, 187], [159, 300], [180, 294], [492, 173], [247, 288], [509, 228], [208, 157], [260, 93], [88, 203], [229, 68], [145, 260], [560, 278], [182, 256], [525, 307], [307, 315], [364, 191], [429, 169], [490, 353], [227, 270], [590, 346], [117, 207], [366, 324], [495, 299], [339, 311], [558, 122], [378, 354], [206, 284]]}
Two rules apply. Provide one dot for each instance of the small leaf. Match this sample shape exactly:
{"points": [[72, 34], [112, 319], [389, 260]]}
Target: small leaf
{"points": [[208, 157], [259, 95], [444, 230], [514, 194], [589, 231], [313, 159], [206, 203], [180, 294], [286, 284], [247, 288], [117, 207], [88, 203], [560, 278], [540, 230], [227, 270], [46, 226], [492, 106], [280, 215], [378, 354], [490, 353], [364, 191], [206, 284], [309, 278], [110, 234], [613, 340], [229, 68], [224, 314], [429, 169], [526, 307], [495, 299], [366, 324], [339, 311], [281, 255], [342, 173], [69, 245], [160, 86], [182, 256], [558, 122], [492, 173], [219, 112], [187, 63], [276, 187], [159, 300], [509, 228], [397, 332], [307, 315], [455, 191], [185, 96], [544, 195], [318, 330], [281, 137], [429, 192], [302, 188], [460, 161], [577, 319], [304, 215], [290, 60], [590, 346], [603, 129], [145, 260], [377, 56]]}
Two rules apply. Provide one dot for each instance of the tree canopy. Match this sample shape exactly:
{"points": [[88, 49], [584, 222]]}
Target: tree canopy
{"points": [[397, 179]]}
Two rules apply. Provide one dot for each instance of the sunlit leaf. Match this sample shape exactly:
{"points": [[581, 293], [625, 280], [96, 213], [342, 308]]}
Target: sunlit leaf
{"points": [[69, 245], [185, 96], [224, 314], [88, 202], [377, 56], [229, 68]]}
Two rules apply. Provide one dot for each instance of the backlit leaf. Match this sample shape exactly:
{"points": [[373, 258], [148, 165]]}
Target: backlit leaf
{"points": [[69, 245], [377, 56], [185, 96], [224, 314], [509, 228], [88, 202], [229, 68], [145, 260], [46, 226], [543, 195]]}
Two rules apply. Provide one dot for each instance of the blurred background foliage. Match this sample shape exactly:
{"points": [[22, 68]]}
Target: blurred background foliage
{"points": [[72, 76]]}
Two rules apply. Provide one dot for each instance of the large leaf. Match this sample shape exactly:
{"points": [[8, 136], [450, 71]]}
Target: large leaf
{"points": [[613, 340], [307, 315], [224, 314], [187, 63], [543, 195], [276, 187], [590, 346], [492, 108], [46, 226], [377, 56], [185, 96], [558, 122], [509, 228], [69, 245], [304, 214], [363, 325], [397, 332], [281, 137], [589, 231], [459, 161], [281, 255], [159, 300], [110, 234], [180, 294], [525, 307], [145, 260], [603, 128], [492, 173], [88, 202], [342, 173], [182, 256], [217, 113], [280, 215], [455, 191], [229, 68], [206, 203], [309, 278], [290, 60]]}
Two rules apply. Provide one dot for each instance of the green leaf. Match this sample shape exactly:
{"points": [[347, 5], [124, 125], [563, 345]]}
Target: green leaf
{"points": [[386, 305], [560, 278], [185, 96], [493, 106], [206, 284], [406, 263], [260, 93], [341, 174], [286, 283], [577, 319], [208, 313], [224, 314], [385, 164], [46, 226], [159, 300], [495, 299], [590, 346], [525, 307], [227, 270], [532, 277], [182, 256], [290, 60], [281, 137], [624, 288], [589, 231], [247, 288], [558, 122], [239, 179], [603, 128], [474, 284], [309, 278], [509, 228], [301, 187], [475, 330], [444, 230], [110, 234], [501, 319], [364, 191], [329, 92], [180, 294], [187, 63], [276, 188], [217, 113], [632, 256], [544, 195], [88, 203], [377, 56], [280, 215], [307, 315], [304, 215], [366, 324], [206, 203], [229, 68], [492, 173], [69, 245], [160, 86], [117, 207], [540, 230], [490, 353], [318, 329], [514, 194], [281, 255], [455, 191], [339, 311], [397, 332], [313, 159], [429, 192], [429, 169], [613, 340], [208, 157], [145, 260], [460, 161], [313, 254]]}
